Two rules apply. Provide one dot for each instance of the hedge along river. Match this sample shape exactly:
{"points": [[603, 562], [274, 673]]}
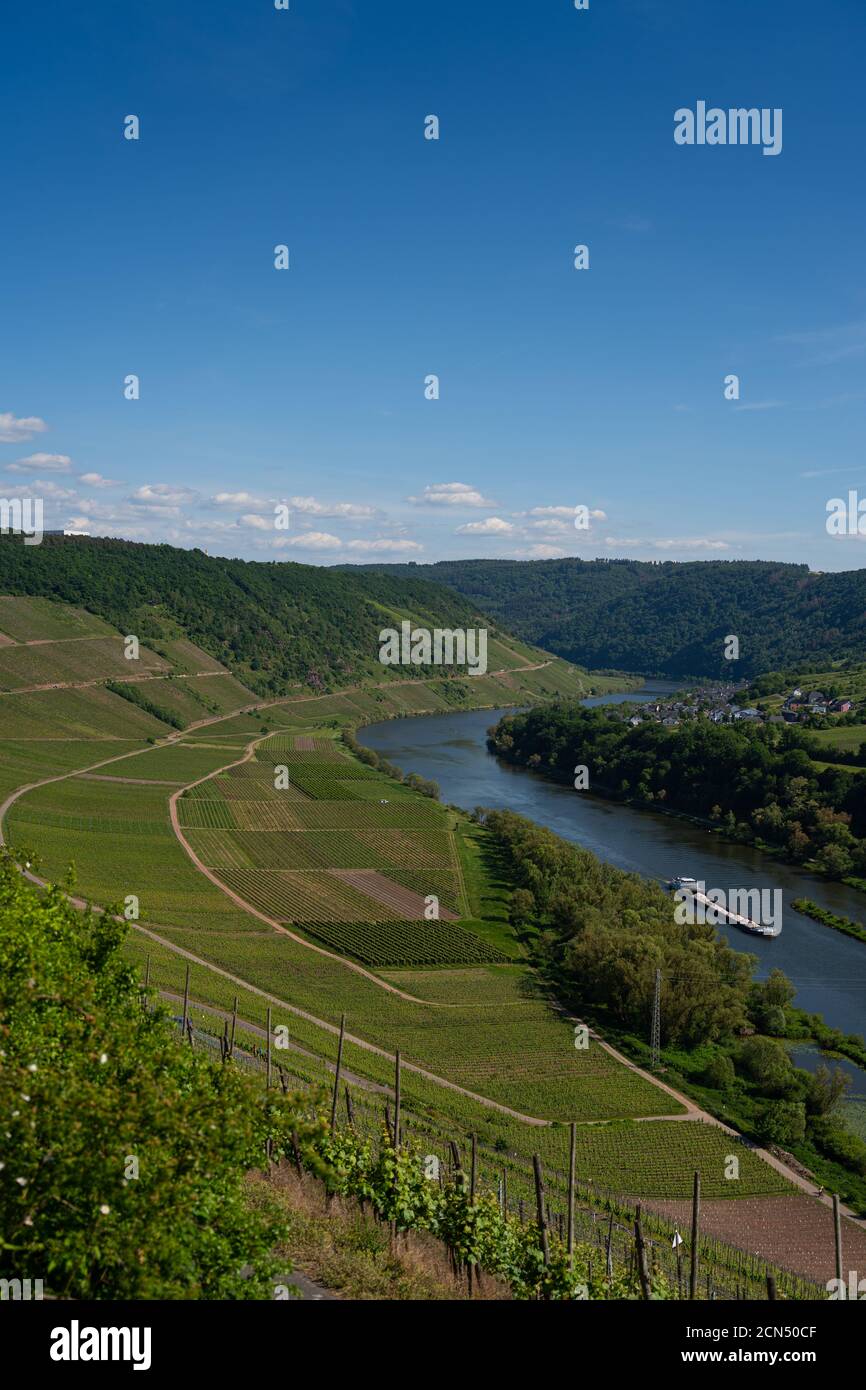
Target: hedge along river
{"points": [[828, 968]]}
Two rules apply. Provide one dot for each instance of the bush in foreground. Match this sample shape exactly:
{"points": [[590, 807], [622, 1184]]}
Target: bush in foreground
{"points": [[124, 1153]]}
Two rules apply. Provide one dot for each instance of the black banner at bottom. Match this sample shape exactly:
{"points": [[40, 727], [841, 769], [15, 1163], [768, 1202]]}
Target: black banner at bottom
{"points": [[188, 1340]]}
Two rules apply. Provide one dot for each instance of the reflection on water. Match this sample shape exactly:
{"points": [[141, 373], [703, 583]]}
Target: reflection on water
{"points": [[829, 969], [853, 1107]]}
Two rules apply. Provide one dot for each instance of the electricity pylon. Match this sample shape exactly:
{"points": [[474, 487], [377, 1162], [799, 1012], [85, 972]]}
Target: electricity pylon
{"points": [[655, 1041]]}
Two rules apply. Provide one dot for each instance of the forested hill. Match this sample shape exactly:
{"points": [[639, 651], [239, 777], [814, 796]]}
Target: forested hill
{"points": [[272, 624], [669, 618]]}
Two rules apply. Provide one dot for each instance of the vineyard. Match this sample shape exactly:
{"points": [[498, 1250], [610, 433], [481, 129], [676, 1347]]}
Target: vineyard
{"points": [[547, 1236], [383, 944], [348, 856], [304, 897]]}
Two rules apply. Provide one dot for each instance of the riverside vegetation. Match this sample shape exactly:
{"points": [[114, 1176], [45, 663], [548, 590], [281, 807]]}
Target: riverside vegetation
{"points": [[754, 782]]}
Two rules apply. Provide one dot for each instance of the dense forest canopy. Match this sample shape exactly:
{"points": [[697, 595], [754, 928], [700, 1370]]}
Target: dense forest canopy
{"points": [[665, 618], [272, 624]]}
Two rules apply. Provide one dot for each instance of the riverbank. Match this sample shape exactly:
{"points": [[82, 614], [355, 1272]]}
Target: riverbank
{"points": [[831, 919], [751, 784]]}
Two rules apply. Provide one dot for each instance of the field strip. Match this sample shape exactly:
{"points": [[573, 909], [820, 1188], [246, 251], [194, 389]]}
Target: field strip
{"points": [[136, 781], [49, 641], [118, 680]]}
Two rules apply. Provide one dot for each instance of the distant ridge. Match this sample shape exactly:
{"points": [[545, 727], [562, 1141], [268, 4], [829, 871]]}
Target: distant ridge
{"points": [[666, 618]]}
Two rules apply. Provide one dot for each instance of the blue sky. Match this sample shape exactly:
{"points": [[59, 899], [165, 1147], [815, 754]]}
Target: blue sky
{"points": [[409, 257]]}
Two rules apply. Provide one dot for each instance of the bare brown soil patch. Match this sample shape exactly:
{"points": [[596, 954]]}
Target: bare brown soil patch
{"points": [[409, 905], [794, 1232]]}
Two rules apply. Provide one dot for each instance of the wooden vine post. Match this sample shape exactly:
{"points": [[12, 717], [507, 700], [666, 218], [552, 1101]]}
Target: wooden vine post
{"points": [[696, 1226], [837, 1235], [540, 1211], [640, 1249], [337, 1071], [185, 1002], [571, 1166]]}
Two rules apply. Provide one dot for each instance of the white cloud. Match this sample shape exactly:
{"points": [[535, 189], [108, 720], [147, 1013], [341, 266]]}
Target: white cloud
{"points": [[13, 430], [311, 540], [162, 494], [666, 543], [385, 545], [540, 552], [97, 480], [562, 512], [40, 487], [235, 499], [311, 507], [259, 523], [492, 526], [451, 495], [760, 405], [553, 525], [825, 472], [50, 463]]}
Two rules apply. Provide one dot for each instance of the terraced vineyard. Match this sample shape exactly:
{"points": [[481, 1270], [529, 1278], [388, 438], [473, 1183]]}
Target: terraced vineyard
{"points": [[343, 856]]}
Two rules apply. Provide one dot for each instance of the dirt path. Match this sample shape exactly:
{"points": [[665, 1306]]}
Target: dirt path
{"points": [[118, 680]]}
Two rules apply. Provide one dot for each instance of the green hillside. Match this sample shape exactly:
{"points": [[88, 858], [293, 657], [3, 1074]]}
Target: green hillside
{"points": [[666, 618], [274, 626]]}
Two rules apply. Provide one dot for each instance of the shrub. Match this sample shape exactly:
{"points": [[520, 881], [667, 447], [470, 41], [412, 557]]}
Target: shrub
{"points": [[720, 1074], [782, 1122]]}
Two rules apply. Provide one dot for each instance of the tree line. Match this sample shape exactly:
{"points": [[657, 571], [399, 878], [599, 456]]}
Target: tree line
{"points": [[755, 781]]}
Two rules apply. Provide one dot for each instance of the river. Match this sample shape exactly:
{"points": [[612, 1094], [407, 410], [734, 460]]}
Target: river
{"points": [[829, 969]]}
